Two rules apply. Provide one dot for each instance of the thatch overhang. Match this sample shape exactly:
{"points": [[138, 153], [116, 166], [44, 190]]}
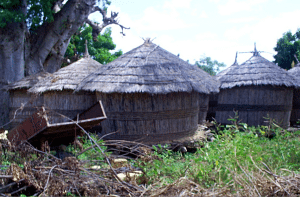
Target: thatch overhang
{"points": [[149, 69], [27, 82], [67, 78], [255, 71]]}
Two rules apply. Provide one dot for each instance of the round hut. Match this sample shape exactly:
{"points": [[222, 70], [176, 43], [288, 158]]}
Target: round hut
{"points": [[258, 90], [295, 114], [21, 103], [150, 94], [58, 90]]}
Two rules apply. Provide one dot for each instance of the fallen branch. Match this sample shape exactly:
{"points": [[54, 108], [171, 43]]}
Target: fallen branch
{"points": [[11, 184], [45, 188], [23, 188], [6, 176]]}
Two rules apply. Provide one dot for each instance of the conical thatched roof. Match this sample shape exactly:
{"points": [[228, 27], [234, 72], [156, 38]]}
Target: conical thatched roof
{"points": [[255, 71], [68, 77], [149, 69], [27, 82]]}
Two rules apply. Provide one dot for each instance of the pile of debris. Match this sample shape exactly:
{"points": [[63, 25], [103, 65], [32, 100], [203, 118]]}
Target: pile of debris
{"points": [[33, 172]]}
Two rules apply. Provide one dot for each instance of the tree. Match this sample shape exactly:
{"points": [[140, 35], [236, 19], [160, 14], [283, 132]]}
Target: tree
{"points": [[35, 34], [99, 49], [212, 67], [287, 47]]}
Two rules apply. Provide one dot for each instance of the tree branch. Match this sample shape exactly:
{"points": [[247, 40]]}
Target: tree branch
{"points": [[57, 6], [97, 28]]}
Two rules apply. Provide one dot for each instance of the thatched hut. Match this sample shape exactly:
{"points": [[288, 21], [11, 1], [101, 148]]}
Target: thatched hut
{"points": [[150, 94], [58, 90], [295, 114], [22, 104], [257, 89]]}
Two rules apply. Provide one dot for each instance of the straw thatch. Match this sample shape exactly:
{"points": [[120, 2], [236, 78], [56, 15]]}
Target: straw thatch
{"points": [[21, 99], [27, 82], [255, 71], [257, 89], [149, 69], [295, 114], [68, 77], [151, 94], [58, 90]]}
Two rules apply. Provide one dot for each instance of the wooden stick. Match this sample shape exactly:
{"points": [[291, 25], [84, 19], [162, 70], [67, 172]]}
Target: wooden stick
{"points": [[11, 184], [6, 176], [18, 190]]}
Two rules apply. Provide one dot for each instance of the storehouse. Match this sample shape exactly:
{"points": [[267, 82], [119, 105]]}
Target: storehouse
{"points": [[58, 90], [258, 90], [150, 94]]}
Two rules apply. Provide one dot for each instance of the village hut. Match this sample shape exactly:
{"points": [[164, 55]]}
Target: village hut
{"points": [[295, 114], [58, 90], [213, 98], [22, 104], [258, 90], [150, 94]]}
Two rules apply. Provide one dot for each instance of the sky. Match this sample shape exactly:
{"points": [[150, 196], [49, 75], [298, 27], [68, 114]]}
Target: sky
{"points": [[212, 28]]}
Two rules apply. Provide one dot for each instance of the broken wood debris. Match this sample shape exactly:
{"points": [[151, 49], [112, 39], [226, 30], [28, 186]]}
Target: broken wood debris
{"points": [[38, 127]]}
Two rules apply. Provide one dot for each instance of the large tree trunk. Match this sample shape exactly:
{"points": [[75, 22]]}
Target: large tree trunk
{"points": [[11, 60], [48, 46]]}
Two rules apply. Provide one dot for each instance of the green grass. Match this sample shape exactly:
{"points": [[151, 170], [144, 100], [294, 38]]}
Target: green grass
{"points": [[229, 154]]}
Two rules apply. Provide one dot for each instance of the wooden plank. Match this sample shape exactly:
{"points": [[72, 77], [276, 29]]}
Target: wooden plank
{"points": [[38, 124], [28, 128]]}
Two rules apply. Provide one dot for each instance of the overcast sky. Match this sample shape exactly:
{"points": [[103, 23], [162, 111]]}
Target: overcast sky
{"points": [[215, 28]]}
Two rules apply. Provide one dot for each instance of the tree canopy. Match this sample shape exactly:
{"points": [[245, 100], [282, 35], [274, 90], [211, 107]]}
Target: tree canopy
{"points": [[99, 49], [212, 67], [287, 46]]}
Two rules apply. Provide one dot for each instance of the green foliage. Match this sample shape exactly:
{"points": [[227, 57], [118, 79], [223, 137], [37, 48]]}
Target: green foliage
{"points": [[9, 12], [98, 50], [169, 165], [235, 148], [212, 67], [92, 154], [38, 12], [287, 47]]}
